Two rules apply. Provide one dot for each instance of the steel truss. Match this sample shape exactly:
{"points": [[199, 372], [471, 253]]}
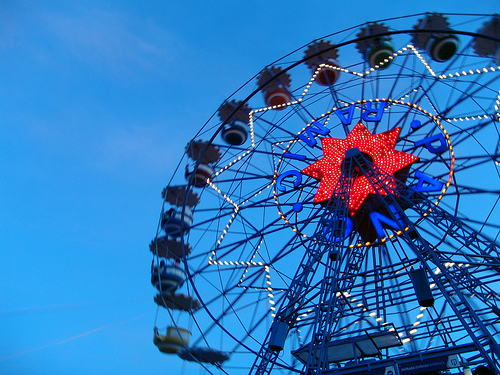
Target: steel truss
{"points": [[463, 273]]}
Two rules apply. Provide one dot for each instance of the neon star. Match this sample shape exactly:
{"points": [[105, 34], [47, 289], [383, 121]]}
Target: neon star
{"points": [[378, 147]]}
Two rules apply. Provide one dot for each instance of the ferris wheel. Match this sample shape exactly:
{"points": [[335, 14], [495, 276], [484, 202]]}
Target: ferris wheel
{"points": [[341, 213]]}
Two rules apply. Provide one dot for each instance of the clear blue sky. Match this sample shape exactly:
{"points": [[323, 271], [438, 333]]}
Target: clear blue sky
{"points": [[97, 100]]}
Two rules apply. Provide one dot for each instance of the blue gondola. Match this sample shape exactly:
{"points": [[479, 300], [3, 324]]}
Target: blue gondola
{"points": [[235, 133], [167, 277], [176, 220]]}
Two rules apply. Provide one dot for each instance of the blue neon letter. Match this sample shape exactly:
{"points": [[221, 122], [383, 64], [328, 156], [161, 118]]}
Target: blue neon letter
{"points": [[310, 140], [333, 226], [378, 219], [432, 184], [284, 175], [341, 113], [373, 114], [427, 142]]}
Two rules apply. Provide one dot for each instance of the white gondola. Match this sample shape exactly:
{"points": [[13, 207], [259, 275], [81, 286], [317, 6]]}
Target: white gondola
{"points": [[176, 220]]}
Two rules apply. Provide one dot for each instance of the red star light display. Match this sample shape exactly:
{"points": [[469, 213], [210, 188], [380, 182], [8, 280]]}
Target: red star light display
{"points": [[380, 147]]}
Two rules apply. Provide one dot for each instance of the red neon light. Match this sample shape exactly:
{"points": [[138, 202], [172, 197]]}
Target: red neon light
{"points": [[380, 147]]}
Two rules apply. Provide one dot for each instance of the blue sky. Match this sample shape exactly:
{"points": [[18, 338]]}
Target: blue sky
{"points": [[97, 100]]}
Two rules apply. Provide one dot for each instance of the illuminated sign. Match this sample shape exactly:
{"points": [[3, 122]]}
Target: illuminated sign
{"points": [[299, 167], [377, 147]]}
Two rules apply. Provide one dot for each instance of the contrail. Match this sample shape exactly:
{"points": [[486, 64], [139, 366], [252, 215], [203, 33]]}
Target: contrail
{"points": [[77, 336]]}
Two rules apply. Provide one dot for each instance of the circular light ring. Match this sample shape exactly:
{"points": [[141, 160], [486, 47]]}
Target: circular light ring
{"points": [[390, 102]]}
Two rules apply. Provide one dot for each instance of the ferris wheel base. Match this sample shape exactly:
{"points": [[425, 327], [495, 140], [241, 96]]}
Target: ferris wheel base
{"points": [[364, 345], [416, 363]]}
